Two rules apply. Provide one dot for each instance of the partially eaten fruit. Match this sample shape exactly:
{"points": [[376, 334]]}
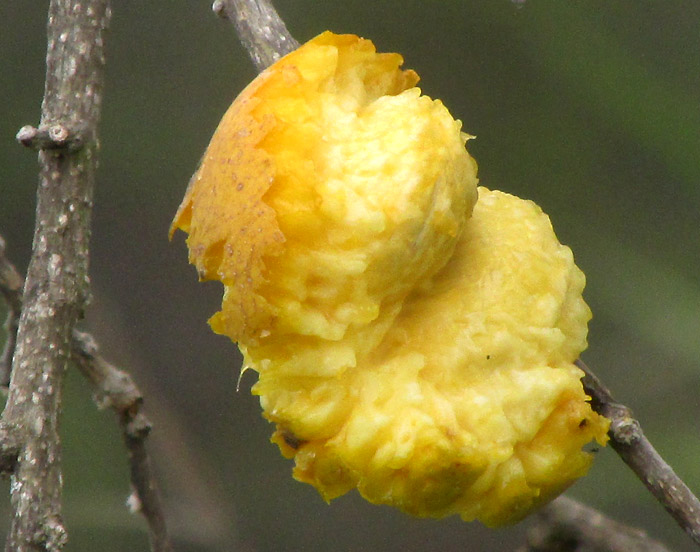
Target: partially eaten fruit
{"points": [[411, 341]]}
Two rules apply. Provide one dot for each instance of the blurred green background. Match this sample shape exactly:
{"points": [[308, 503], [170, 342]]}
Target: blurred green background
{"points": [[591, 108]]}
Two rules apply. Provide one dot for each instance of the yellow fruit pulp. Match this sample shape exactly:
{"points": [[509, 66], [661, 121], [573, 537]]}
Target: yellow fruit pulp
{"points": [[404, 347]]}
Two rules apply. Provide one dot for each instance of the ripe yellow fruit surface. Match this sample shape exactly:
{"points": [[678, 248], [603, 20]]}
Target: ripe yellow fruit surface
{"points": [[411, 341]]}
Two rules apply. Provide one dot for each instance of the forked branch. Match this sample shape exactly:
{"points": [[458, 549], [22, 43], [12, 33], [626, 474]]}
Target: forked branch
{"points": [[112, 388], [42, 339]]}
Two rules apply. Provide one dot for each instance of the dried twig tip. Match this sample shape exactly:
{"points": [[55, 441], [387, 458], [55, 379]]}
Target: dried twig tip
{"points": [[26, 135], [219, 8]]}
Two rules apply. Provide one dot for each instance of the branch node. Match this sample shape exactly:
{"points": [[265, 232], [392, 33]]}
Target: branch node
{"points": [[626, 430], [55, 136], [112, 387], [629, 441], [138, 427], [133, 503], [54, 536]]}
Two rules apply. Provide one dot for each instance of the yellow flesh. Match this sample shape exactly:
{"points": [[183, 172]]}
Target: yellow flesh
{"points": [[404, 347]]}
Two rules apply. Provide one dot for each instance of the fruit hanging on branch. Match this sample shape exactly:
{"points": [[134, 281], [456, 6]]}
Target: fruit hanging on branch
{"points": [[411, 341]]}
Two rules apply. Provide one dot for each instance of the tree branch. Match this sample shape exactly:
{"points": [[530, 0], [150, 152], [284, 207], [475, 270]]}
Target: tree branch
{"points": [[630, 443], [565, 525], [114, 388], [260, 29], [56, 287], [11, 288]]}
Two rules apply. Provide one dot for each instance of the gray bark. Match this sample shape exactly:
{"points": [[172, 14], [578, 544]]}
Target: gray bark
{"points": [[57, 287], [260, 29]]}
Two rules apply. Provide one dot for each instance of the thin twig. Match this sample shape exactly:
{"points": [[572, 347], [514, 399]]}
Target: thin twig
{"points": [[112, 388], [565, 525], [115, 389], [260, 29], [56, 287], [630, 443], [11, 284]]}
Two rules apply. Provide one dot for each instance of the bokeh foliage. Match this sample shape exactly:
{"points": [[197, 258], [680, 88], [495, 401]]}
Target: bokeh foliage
{"points": [[591, 108]]}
